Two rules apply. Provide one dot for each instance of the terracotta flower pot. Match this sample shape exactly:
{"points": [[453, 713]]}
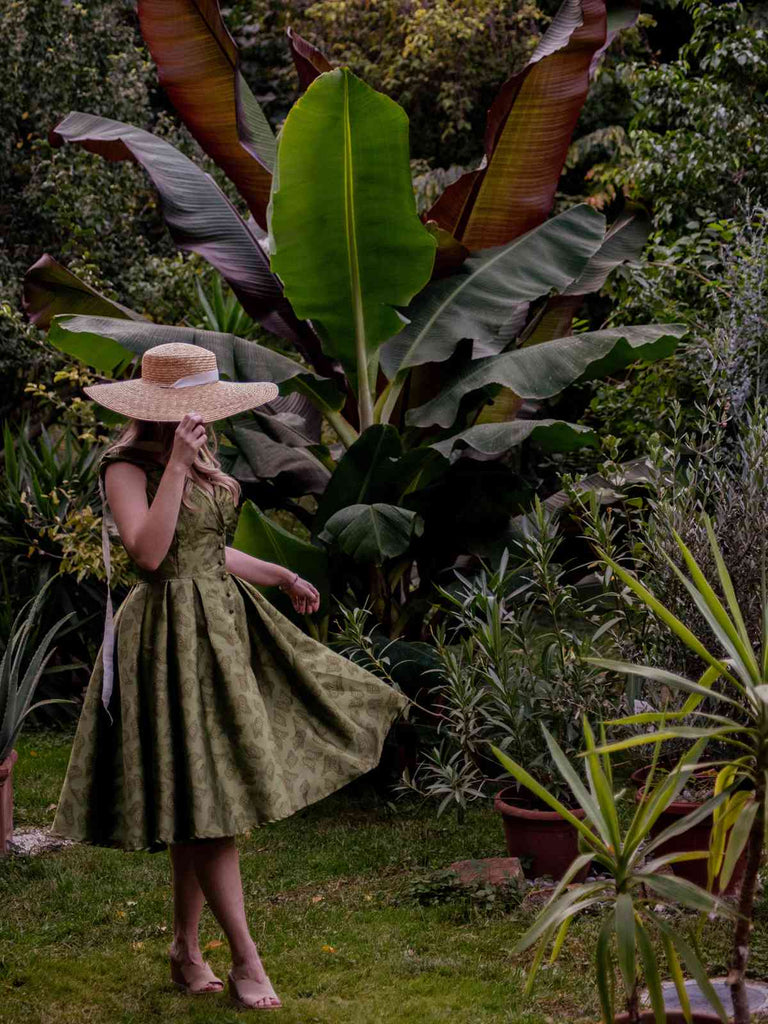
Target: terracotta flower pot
{"points": [[6, 800], [695, 838], [544, 842]]}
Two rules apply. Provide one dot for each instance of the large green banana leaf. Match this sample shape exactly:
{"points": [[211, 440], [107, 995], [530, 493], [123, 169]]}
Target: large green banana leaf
{"points": [[623, 243], [102, 342], [199, 216], [345, 237], [529, 129], [542, 371], [375, 469], [484, 294], [271, 449], [497, 438], [198, 66], [372, 533]]}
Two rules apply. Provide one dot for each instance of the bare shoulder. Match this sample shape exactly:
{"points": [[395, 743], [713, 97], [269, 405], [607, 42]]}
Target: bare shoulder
{"points": [[123, 469], [127, 476]]}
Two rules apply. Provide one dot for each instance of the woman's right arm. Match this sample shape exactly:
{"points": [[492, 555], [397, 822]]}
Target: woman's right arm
{"points": [[147, 532]]}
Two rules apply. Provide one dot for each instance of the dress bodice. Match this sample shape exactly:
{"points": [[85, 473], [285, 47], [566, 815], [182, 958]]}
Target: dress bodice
{"points": [[202, 530]]}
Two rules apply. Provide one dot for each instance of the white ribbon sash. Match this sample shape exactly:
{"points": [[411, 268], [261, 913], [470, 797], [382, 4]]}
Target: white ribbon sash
{"points": [[108, 643]]}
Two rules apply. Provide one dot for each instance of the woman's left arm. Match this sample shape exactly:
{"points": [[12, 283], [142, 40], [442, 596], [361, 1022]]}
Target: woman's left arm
{"points": [[256, 570], [303, 594]]}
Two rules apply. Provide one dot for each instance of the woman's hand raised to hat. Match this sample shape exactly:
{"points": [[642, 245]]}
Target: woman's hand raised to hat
{"points": [[189, 438]]}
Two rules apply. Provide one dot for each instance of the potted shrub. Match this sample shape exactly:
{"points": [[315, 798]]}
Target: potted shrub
{"points": [[17, 687], [512, 657], [735, 716], [633, 889]]}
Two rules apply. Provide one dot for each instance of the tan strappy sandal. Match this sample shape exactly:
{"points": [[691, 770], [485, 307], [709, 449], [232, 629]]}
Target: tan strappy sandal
{"points": [[194, 979], [241, 997]]}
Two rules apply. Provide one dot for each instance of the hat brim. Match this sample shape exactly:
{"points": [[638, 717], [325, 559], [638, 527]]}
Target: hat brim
{"points": [[143, 401]]}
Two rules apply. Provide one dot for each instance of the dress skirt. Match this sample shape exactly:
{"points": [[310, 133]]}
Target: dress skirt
{"points": [[226, 715]]}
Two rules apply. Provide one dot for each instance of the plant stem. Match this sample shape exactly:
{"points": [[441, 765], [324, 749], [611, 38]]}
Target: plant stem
{"points": [[633, 1005], [677, 267], [743, 930], [387, 400], [347, 433]]}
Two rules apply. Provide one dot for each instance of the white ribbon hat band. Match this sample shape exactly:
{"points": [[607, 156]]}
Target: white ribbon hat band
{"points": [[190, 381]]}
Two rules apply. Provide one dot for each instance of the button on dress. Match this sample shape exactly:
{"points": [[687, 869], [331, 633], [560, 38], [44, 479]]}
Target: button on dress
{"points": [[226, 715]]}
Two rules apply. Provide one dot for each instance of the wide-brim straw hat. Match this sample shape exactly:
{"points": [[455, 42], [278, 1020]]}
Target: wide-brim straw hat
{"points": [[176, 379]]}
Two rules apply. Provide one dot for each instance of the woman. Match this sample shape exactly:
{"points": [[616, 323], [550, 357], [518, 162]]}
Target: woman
{"points": [[208, 712]]}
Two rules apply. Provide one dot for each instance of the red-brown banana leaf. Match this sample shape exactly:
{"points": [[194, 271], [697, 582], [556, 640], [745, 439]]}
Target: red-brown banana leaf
{"points": [[308, 60], [198, 67], [49, 289], [528, 132]]}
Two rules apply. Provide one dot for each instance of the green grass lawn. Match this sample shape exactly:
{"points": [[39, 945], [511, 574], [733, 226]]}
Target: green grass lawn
{"points": [[84, 931]]}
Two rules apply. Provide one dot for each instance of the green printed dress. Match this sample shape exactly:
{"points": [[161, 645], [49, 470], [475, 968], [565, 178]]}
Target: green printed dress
{"points": [[225, 714]]}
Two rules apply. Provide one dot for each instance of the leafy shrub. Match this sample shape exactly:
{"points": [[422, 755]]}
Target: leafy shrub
{"points": [[722, 360], [442, 61], [511, 648], [50, 534], [466, 900], [692, 152]]}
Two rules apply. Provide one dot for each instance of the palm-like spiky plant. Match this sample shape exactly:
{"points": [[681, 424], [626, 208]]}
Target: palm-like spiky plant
{"points": [[736, 717], [17, 684], [630, 896]]}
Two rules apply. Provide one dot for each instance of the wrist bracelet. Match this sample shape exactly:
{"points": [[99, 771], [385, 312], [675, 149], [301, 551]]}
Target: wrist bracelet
{"points": [[283, 586]]}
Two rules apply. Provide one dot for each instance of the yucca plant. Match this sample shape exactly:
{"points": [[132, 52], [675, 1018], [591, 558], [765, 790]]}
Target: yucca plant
{"points": [[631, 899], [736, 716], [222, 312], [17, 684]]}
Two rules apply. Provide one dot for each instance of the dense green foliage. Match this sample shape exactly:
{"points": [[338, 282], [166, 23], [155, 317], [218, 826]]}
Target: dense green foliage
{"points": [[415, 409], [451, 344], [442, 61], [102, 222], [694, 151]]}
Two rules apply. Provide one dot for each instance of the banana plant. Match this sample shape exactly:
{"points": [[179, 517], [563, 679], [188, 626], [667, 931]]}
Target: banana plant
{"points": [[198, 65], [630, 901], [429, 337], [734, 691]]}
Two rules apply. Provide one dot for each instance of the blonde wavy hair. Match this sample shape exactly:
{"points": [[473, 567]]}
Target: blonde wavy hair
{"points": [[206, 471]]}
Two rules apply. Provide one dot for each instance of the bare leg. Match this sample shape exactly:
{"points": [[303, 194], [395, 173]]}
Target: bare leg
{"points": [[188, 901], [218, 869]]}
